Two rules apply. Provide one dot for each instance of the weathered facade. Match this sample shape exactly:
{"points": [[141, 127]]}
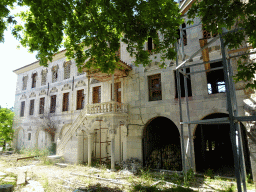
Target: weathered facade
{"points": [[141, 119]]}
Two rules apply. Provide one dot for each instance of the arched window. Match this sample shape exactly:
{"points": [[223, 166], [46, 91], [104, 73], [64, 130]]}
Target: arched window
{"points": [[24, 81], [66, 66], [55, 73], [34, 75], [44, 75]]}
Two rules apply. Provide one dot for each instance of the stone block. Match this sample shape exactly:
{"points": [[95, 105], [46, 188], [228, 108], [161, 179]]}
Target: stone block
{"points": [[22, 175], [55, 158]]}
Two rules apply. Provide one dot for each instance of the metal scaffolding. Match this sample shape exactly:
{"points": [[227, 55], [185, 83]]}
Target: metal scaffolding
{"points": [[232, 108]]}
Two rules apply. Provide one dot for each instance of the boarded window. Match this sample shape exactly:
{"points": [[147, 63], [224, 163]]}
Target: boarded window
{"points": [[44, 75], [54, 74], [182, 85], [80, 99], [154, 87], [215, 79], [31, 108], [65, 102], [117, 92], [53, 104], [41, 105], [96, 94], [67, 70], [24, 81], [29, 136], [22, 108], [34, 80]]}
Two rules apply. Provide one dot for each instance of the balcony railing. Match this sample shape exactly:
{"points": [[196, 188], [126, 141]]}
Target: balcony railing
{"points": [[107, 107]]}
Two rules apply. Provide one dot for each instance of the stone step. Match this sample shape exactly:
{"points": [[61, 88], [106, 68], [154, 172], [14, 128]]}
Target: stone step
{"points": [[55, 158], [62, 165]]}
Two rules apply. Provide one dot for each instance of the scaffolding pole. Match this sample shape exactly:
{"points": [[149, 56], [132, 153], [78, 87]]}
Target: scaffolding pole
{"points": [[233, 119]]}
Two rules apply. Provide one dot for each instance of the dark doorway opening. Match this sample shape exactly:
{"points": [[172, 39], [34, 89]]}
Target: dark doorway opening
{"points": [[161, 145], [213, 148]]}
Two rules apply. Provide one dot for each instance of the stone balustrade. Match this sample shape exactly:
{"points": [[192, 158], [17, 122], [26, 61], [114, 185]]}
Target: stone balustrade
{"points": [[107, 107]]}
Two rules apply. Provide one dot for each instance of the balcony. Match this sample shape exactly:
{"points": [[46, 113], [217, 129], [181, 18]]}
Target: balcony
{"points": [[107, 107]]}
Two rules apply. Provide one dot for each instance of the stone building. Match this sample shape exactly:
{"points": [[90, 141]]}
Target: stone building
{"points": [[138, 118]]}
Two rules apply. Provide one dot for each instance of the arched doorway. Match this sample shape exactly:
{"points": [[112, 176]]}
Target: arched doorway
{"points": [[161, 145], [213, 148], [20, 139]]}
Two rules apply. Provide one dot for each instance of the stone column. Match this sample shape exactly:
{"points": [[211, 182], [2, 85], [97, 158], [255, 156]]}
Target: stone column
{"points": [[89, 150], [112, 136]]}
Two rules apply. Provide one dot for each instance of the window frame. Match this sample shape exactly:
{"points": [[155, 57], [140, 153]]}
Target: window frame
{"points": [[31, 107], [65, 102], [53, 103], [80, 99], [41, 106], [99, 94], [152, 90], [34, 75]]}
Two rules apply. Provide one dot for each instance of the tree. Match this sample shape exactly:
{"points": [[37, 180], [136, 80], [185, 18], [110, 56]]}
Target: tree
{"points": [[6, 131], [92, 29], [237, 15]]}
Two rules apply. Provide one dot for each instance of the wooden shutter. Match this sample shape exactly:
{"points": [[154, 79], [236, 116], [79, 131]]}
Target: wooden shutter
{"points": [[96, 94], [80, 99], [154, 85]]}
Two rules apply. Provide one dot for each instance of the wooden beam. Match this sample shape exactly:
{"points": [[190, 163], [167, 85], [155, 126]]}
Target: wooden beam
{"points": [[240, 50]]}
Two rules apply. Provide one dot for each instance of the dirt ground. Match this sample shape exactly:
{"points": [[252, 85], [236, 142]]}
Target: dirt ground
{"points": [[41, 175]]}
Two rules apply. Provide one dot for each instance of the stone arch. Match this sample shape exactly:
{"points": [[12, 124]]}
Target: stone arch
{"points": [[161, 144], [213, 148], [40, 133], [19, 136]]}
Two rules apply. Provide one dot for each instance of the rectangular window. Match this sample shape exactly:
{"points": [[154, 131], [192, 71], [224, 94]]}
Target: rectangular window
{"points": [[96, 94], [22, 109], [29, 136], [154, 87], [65, 102], [80, 99], [53, 104], [117, 92], [31, 108], [215, 79], [34, 80], [182, 85], [41, 106]]}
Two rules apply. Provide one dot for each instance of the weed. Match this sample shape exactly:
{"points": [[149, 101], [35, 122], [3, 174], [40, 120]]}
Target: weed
{"points": [[209, 173]]}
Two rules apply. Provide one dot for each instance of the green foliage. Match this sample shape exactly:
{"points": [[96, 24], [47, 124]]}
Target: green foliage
{"points": [[92, 29], [209, 173], [232, 15], [34, 152], [6, 119]]}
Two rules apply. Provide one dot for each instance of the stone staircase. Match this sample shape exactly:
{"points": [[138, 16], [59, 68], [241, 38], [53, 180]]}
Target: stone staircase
{"points": [[71, 130]]}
